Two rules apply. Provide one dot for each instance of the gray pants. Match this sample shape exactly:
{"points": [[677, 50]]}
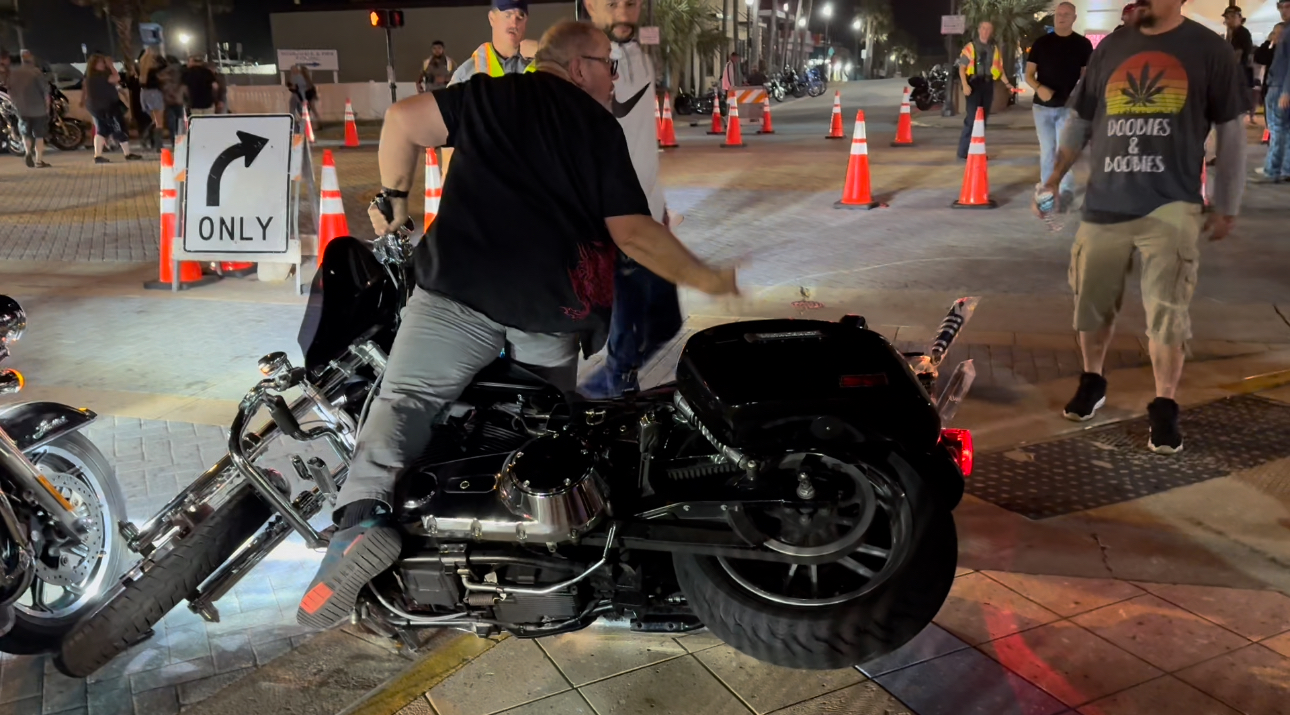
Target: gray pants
{"points": [[440, 346]]}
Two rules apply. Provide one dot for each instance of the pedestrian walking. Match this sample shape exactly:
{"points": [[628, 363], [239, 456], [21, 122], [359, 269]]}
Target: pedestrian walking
{"points": [[980, 66], [151, 98], [102, 99], [171, 79], [1263, 60], [303, 92], [1056, 64], [731, 77], [436, 70], [29, 92], [202, 86], [1147, 101], [1276, 109]]}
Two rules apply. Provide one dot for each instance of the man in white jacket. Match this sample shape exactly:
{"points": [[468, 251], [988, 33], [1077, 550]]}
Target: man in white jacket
{"points": [[647, 313]]}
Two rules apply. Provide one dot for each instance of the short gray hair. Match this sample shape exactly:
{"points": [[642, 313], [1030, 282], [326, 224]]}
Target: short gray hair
{"points": [[566, 40]]}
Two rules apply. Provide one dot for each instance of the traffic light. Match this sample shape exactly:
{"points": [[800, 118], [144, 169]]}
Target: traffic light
{"points": [[386, 18]]}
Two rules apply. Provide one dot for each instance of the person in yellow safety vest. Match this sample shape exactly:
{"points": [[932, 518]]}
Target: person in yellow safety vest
{"points": [[980, 66], [507, 53]]}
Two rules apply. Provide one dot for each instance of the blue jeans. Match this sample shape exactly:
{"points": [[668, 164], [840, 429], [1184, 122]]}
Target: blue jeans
{"points": [[1277, 164], [1049, 123], [647, 314]]}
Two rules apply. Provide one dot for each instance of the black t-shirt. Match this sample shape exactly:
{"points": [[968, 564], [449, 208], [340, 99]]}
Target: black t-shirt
{"points": [[1058, 63], [538, 165], [1242, 42], [199, 81]]}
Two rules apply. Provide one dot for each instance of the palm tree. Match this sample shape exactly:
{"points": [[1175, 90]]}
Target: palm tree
{"points": [[125, 16], [685, 27], [900, 50], [1015, 22], [876, 17]]}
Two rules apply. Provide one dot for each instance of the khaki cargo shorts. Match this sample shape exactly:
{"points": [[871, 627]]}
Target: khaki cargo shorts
{"points": [[1102, 257]]}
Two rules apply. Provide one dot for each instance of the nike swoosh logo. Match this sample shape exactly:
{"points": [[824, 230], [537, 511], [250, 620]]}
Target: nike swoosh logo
{"points": [[622, 109]]}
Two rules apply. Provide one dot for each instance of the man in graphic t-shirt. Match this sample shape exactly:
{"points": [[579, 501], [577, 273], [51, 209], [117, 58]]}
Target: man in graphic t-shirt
{"points": [[1149, 97], [1055, 66]]}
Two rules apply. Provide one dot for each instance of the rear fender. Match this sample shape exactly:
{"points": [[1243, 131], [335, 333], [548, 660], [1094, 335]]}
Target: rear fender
{"points": [[32, 425]]}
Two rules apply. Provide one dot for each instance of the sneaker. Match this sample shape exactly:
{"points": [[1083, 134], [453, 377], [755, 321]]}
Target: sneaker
{"points": [[355, 556], [133, 157], [1166, 435], [604, 384], [31, 161], [102, 160], [1088, 399]]}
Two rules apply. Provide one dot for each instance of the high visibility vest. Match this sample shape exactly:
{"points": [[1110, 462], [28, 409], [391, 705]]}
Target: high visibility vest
{"points": [[996, 66], [486, 60]]}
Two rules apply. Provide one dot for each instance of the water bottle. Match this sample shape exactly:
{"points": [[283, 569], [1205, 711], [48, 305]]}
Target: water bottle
{"points": [[1046, 201]]}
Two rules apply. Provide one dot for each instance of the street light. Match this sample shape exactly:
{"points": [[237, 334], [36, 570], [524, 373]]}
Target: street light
{"points": [[828, 16], [185, 38], [855, 29]]}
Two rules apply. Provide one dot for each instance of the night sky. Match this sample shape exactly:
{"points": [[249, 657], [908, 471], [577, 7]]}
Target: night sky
{"points": [[56, 28]]}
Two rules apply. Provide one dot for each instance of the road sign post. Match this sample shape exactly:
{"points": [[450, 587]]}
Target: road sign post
{"points": [[237, 199]]}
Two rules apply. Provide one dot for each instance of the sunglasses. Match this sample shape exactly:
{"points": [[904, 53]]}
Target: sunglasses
{"points": [[611, 63]]}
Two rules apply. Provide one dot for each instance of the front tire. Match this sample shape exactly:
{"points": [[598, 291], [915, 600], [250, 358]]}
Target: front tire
{"points": [[825, 634], [84, 476], [69, 137], [129, 617]]}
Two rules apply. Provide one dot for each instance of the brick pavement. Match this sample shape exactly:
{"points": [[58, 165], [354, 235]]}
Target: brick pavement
{"points": [[188, 659]]}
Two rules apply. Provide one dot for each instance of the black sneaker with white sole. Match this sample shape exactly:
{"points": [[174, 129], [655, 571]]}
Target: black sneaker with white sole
{"points": [[1088, 399], [1166, 434]]}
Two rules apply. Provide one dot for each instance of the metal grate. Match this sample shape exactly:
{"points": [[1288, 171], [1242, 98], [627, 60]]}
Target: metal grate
{"points": [[1111, 464]]}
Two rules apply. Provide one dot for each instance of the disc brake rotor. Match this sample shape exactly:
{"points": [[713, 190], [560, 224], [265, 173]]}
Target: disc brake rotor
{"points": [[76, 563]]}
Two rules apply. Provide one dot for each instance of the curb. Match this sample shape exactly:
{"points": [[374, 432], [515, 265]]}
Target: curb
{"points": [[432, 669]]}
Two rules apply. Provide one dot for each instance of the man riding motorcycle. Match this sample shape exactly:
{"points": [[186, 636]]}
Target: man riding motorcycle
{"points": [[521, 264]]}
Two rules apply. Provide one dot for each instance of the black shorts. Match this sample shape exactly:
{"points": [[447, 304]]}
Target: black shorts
{"points": [[33, 127], [111, 123]]}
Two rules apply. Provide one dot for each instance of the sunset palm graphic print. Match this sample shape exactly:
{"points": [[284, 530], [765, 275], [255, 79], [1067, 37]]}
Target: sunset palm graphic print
{"points": [[1145, 84]]}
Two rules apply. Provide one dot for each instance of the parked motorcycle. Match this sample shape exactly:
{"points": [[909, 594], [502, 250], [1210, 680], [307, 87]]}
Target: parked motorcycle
{"points": [[59, 508], [687, 104], [929, 88], [791, 491], [816, 81], [65, 133], [776, 89]]}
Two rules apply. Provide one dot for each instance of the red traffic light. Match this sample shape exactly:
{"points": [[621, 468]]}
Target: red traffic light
{"points": [[386, 18]]}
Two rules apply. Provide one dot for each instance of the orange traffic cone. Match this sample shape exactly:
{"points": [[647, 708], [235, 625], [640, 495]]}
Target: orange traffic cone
{"points": [[351, 129], [658, 121], [309, 126], [976, 177], [1267, 136], [434, 188], [190, 272], [835, 128], [856, 194], [332, 223], [734, 130], [716, 117], [180, 157], [905, 127], [767, 126], [667, 137]]}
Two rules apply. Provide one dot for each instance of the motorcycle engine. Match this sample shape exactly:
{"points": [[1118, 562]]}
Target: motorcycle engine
{"points": [[546, 492]]}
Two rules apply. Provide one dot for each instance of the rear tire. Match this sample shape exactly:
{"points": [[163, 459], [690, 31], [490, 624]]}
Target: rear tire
{"points": [[817, 637], [130, 615]]}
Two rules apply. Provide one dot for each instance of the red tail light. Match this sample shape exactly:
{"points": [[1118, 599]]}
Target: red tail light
{"points": [[959, 443]]}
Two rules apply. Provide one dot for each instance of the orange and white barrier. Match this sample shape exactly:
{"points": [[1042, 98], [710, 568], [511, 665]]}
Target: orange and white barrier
{"points": [[905, 126], [351, 129], [190, 272], [976, 175], [332, 223], [835, 122], [857, 192], [734, 133], [434, 189], [667, 131], [309, 125]]}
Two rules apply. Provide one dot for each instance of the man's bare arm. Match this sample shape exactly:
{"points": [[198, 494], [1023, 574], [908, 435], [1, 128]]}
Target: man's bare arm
{"points": [[1032, 76], [410, 126], [647, 242]]}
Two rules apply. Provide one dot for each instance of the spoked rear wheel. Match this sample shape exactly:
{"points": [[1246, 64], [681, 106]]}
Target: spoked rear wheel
{"points": [[892, 549]]}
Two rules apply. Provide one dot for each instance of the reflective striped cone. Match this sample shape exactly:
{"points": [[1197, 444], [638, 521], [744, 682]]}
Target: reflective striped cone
{"points": [[309, 126], [976, 176], [734, 129], [667, 139], [658, 121], [835, 124], [434, 188], [190, 272], [857, 193], [905, 127], [717, 127], [767, 126], [332, 223], [181, 158], [351, 129]]}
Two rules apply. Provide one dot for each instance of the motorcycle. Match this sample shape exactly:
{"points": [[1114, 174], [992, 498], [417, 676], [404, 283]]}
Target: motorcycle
{"points": [[775, 88], [687, 104], [816, 81], [791, 491], [794, 84], [59, 507], [65, 133], [929, 88]]}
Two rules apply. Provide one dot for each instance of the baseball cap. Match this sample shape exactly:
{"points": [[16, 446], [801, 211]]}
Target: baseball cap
{"points": [[504, 5], [1232, 10]]}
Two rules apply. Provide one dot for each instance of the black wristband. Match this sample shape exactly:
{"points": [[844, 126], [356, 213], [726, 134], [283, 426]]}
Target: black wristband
{"points": [[394, 193]]}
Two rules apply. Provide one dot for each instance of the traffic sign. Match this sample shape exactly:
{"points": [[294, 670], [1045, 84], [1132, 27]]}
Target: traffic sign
{"points": [[151, 34], [324, 60], [953, 24], [236, 198]]}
